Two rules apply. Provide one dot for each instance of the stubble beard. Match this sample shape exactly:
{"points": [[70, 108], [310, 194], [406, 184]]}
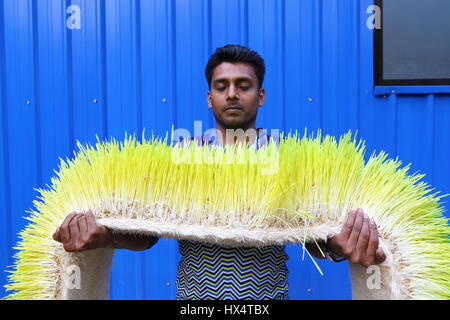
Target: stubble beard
{"points": [[244, 123]]}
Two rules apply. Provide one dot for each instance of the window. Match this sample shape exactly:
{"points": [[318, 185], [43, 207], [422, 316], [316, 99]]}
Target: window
{"points": [[412, 47]]}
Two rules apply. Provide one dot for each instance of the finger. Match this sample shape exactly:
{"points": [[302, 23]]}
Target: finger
{"points": [[74, 231], [64, 229], [373, 241], [91, 222], [57, 235], [348, 226], [357, 226], [82, 223], [381, 256], [363, 238], [68, 218]]}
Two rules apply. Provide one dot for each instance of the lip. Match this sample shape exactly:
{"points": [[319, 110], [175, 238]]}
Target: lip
{"points": [[233, 108]]}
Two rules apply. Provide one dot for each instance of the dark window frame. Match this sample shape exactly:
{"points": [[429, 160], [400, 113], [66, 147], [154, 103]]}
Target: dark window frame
{"points": [[378, 62]]}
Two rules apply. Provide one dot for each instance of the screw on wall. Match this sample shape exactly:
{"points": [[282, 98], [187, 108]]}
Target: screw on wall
{"points": [[310, 99], [164, 100], [168, 284], [309, 290], [28, 102], [94, 100]]}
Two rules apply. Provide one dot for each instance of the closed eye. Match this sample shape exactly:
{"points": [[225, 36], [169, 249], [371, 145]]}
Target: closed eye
{"points": [[244, 88]]}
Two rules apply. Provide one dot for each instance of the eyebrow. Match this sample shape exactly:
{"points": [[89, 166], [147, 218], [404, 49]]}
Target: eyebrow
{"points": [[240, 79]]}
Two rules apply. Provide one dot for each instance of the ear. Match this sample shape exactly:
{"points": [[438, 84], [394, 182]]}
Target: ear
{"points": [[208, 99], [261, 97]]}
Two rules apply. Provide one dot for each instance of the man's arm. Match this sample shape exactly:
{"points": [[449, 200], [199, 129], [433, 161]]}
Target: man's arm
{"points": [[80, 232], [357, 241]]}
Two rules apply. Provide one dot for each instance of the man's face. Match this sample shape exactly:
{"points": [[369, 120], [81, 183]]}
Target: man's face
{"points": [[234, 95]]}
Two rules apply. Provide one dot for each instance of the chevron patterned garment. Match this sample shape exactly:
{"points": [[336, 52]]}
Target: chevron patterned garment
{"points": [[208, 271]]}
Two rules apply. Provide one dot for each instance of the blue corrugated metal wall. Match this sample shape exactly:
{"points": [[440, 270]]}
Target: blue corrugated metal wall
{"points": [[140, 64]]}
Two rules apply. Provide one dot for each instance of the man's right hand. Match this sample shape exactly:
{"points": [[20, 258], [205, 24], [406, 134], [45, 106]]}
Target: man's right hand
{"points": [[80, 232]]}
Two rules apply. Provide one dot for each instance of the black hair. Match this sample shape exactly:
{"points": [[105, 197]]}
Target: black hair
{"points": [[236, 53]]}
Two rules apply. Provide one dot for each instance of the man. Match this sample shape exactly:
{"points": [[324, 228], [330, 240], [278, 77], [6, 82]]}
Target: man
{"points": [[235, 75]]}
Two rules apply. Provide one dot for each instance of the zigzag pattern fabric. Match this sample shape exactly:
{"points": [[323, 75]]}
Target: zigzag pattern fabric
{"points": [[210, 272]]}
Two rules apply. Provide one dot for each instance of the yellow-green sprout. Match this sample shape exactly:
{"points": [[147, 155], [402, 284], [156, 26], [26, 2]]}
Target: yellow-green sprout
{"points": [[295, 191]]}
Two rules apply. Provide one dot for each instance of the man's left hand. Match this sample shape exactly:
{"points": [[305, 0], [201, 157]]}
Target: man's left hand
{"points": [[358, 240]]}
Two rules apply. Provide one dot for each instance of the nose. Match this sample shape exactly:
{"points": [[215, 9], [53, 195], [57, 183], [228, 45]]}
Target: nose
{"points": [[232, 93]]}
